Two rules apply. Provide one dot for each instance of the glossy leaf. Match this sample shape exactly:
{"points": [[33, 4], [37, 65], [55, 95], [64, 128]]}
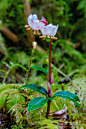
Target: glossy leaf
{"points": [[68, 95], [40, 69], [37, 88], [36, 103]]}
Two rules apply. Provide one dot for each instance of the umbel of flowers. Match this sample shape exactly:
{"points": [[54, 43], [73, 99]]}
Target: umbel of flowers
{"points": [[48, 31], [35, 24]]}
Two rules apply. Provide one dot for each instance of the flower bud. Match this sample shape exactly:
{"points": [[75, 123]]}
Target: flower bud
{"points": [[34, 44]]}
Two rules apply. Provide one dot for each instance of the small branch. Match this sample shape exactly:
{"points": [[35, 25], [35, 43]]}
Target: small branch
{"points": [[61, 67]]}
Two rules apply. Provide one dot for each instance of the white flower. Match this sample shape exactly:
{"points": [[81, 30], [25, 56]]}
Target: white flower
{"points": [[33, 22], [49, 30], [32, 17], [36, 24]]}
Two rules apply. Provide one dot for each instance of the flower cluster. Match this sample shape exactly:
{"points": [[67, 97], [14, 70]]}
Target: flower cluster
{"points": [[48, 30]]}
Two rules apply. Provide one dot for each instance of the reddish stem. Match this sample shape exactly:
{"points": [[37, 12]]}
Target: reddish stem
{"points": [[49, 90], [50, 62]]}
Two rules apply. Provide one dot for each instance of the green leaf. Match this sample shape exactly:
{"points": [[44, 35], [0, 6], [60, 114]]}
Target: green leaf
{"points": [[37, 103], [82, 4], [40, 68], [68, 95], [37, 88], [21, 66], [6, 64]]}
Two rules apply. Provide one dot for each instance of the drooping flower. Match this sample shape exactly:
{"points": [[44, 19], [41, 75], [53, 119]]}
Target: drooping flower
{"points": [[33, 22], [32, 17], [49, 30]]}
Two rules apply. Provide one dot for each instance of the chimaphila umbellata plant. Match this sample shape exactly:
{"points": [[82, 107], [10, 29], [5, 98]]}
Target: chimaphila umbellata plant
{"points": [[48, 30]]}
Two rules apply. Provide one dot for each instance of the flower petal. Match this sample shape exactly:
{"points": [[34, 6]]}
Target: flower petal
{"points": [[36, 25], [34, 17], [44, 21], [33, 22], [49, 30]]}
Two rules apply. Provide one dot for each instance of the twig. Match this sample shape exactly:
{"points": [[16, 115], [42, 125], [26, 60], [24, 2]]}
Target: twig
{"points": [[61, 67]]}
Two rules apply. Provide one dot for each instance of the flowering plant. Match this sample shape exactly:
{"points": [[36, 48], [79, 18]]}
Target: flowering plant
{"points": [[48, 31]]}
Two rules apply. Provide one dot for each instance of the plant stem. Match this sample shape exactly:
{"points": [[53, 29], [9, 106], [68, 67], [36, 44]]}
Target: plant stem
{"points": [[49, 92], [50, 62], [28, 70], [48, 108], [6, 76]]}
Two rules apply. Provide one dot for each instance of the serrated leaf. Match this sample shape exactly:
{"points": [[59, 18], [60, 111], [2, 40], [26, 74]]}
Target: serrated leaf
{"points": [[36, 103], [68, 95], [35, 87], [40, 69]]}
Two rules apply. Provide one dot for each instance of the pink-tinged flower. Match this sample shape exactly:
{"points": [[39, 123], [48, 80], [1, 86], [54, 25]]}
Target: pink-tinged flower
{"points": [[49, 30], [32, 17], [33, 22]]}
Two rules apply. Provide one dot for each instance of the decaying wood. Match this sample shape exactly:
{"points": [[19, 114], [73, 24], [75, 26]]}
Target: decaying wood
{"points": [[27, 8], [9, 34], [27, 11]]}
